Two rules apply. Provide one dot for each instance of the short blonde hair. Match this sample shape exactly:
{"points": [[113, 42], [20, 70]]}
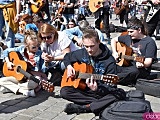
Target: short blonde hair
{"points": [[30, 35]]}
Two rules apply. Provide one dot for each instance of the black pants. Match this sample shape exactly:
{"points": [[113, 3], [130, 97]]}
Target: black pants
{"points": [[123, 17], [129, 75], [97, 103], [153, 23], [45, 8], [105, 18]]}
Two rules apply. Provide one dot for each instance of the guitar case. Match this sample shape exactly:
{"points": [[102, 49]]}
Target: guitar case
{"points": [[149, 87]]}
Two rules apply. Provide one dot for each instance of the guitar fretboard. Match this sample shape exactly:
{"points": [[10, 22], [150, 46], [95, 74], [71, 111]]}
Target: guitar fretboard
{"points": [[109, 78], [128, 57]]}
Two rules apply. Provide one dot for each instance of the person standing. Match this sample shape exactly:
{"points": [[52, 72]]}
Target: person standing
{"points": [[9, 17], [68, 8], [124, 14], [81, 7], [153, 22], [102, 14]]}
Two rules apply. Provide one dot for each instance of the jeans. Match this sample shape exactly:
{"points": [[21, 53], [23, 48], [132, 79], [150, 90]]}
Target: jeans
{"points": [[81, 10], [68, 16], [10, 42]]}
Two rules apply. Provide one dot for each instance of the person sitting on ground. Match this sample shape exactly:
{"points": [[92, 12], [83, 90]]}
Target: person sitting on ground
{"points": [[54, 44], [30, 53], [71, 24], [97, 95], [26, 23], [60, 22], [76, 33], [142, 46]]}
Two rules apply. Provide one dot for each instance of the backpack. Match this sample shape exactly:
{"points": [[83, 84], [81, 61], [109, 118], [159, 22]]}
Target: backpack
{"points": [[112, 27], [120, 29], [133, 108]]}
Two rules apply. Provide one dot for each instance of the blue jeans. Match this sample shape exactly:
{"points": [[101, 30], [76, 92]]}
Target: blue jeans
{"points": [[81, 10], [68, 16], [10, 42]]}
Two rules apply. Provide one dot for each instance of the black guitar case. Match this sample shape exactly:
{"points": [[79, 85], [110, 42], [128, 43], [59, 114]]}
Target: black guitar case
{"points": [[149, 87]]}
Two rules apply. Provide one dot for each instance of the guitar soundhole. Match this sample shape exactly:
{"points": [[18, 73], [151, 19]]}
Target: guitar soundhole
{"points": [[18, 69], [119, 58]]}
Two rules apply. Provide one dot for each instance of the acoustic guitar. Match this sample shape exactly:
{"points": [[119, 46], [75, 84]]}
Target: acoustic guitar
{"points": [[37, 8], [154, 9], [152, 12], [94, 5], [84, 71], [61, 8], [19, 71], [125, 55]]}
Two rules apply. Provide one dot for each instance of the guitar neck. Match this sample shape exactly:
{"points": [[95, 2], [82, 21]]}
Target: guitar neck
{"points": [[109, 78], [127, 57], [88, 75], [28, 75]]}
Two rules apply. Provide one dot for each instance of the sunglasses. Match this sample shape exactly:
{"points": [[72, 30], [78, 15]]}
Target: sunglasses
{"points": [[47, 37]]}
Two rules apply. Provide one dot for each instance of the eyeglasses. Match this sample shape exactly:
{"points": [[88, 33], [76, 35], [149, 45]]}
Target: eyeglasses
{"points": [[47, 37]]}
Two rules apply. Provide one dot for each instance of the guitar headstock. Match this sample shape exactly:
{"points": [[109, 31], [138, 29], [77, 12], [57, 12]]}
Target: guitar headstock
{"points": [[46, 85], [110, 79]]}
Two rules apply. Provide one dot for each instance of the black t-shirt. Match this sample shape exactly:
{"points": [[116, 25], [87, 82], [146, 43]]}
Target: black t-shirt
{"points": [[144, 47], [69, 10]]}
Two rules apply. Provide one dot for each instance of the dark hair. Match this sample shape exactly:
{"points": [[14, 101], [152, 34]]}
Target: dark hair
{"points": [[91, 33], [135, 23], [81, 17], [73, 21]]}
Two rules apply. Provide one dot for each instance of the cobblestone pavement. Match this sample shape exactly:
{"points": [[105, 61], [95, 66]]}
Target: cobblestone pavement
{"points": [[49, 106]]}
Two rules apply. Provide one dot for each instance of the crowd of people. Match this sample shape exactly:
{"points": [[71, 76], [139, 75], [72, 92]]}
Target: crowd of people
{"points": [[53, 40]]}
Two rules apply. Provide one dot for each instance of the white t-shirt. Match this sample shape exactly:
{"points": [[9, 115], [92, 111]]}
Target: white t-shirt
{"points": [[56, 48]]}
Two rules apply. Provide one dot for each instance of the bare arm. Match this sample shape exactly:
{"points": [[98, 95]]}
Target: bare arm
{"points": [[17, 10], [113, 46]]}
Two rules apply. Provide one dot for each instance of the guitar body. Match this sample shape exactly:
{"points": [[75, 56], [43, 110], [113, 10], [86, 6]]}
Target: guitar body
{"points": [[36, 8], [124, 33], [94, 5], [61, 8], [122, 49], [76, 82], [154, 9], [15, 58]]}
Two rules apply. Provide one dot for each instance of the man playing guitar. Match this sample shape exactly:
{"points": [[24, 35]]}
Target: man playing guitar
{"points": [[152, 16], [102, 14], [39, 7]]}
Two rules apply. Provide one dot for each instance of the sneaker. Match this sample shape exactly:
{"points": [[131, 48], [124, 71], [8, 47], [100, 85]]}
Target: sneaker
{"points": [[29, 93], [72, 108]]}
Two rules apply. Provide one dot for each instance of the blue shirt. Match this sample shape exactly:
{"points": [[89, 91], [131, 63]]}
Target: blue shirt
{"points": [[3, 2], [77, 32]]}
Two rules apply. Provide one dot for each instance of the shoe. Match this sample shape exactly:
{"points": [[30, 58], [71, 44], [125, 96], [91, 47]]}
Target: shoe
{"points": [[4, 90], [72, 108], [29, 93]]}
